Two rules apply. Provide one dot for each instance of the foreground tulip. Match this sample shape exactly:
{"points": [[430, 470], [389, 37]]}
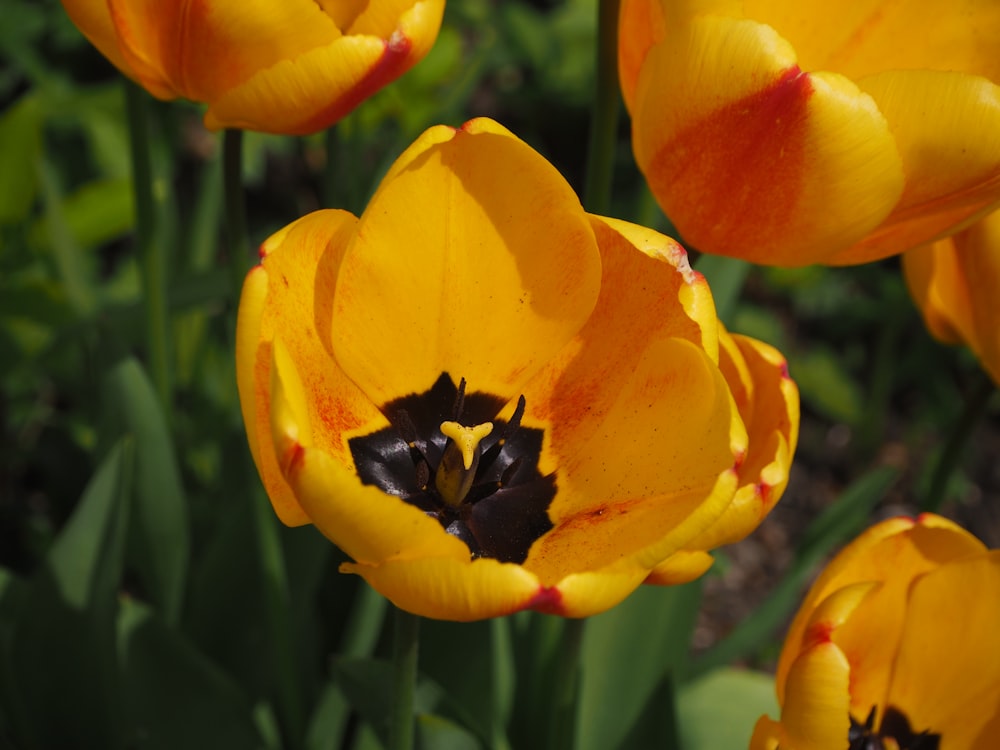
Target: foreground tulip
{"points": [[956, 284], [894, 647], [797, 133], [277, 66], [489, 399]]}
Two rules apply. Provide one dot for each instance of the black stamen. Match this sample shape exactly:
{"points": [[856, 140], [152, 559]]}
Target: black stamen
{"points": [[459, 407]]}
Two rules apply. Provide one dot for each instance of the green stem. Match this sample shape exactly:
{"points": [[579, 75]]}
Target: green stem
{"points": [[405, 643], [604, 116], [277, 607], [975, 407], [567, 674], [502, 686], [151, 250], [236, 217]]}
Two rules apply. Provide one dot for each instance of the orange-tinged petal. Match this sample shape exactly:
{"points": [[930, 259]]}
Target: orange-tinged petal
{"points": [[473, 258], [592, 592], [956, 283], [680, 567], [814, 712], [767, 735], [894, 553], [818, 166], [93, 18], [947, 673], [317, 87], [452, 589], [768, 401], [363, 521], [200, 49], [947, 129], [641, 24], [290, 295], [867, 36]]}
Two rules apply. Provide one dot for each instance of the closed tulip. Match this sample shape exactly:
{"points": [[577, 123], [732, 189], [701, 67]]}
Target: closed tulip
{"points": [[277, 66], [493, 401], [895, 646], [794, 133], [956, 284]]}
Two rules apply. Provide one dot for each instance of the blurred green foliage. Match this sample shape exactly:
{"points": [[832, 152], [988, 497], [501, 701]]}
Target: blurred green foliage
{"points": [[148, 596]]}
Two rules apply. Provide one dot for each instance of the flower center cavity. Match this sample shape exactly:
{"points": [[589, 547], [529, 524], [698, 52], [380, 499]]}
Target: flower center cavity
{"points": [[894, 733]]}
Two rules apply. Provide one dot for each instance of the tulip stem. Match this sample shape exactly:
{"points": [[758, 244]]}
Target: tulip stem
{"points": [[976, 401], [236, 216], [567, 671], [604, 115], [151, 249], [405, 647]]}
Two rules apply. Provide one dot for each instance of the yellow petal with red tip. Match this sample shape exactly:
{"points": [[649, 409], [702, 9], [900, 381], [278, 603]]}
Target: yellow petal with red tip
{"points": [[947, 672], [956, 283], [307, 92], [290, 295], [473, 258], [866, 36], [814, 712], [363, 521], [591, 592], [894, 553], [947, 129], [818, 168], [680, 567], [207, 48], [768, 401], [451, 589]]}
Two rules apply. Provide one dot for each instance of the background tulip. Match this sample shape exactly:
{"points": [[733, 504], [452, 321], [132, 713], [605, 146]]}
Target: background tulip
{"points": [[292, 67], [896, 638], [615, 436], [956, 284], [790, 134]]}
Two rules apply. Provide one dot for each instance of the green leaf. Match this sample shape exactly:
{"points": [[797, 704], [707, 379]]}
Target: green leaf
{"points": [[20, 151], [61, 648], [827, 385], [98, 212], [836, 525], [159, 537], [627, 651], [173, 696], [437, 733], [720, 709]]}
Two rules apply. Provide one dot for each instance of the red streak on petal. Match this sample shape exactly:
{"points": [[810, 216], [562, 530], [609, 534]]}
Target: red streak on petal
{"points": [[292, 459], [733, 178], [820, 632], [548, 600], [395, 61], [783, 367]]}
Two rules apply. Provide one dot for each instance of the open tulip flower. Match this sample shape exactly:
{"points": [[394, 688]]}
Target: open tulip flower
{"points": [[792, 133], [492, 401], [956, 284], [277, 66], [895, 647]]}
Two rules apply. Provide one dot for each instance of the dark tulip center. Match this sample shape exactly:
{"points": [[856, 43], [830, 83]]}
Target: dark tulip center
{"points": [[447, 453], [895, 726]]}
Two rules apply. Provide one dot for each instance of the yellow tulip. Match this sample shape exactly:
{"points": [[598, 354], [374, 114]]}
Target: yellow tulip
{"points": [[895, 646], [791, 133], [277, 66], [491, 400], [956, 284]]}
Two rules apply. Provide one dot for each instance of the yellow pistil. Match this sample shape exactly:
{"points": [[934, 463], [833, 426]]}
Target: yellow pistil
{"points": [[457, 469]]}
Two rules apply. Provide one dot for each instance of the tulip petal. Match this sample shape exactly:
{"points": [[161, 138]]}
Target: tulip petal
{"points": [[815, 710], [947, 129], [316, 87], [894, 552], [203, 49], [641, 24], [474, 258], [947, 673], [452, 589], [956, 283], [93, 18], [767, 734], [768, 401], [291, 294], [866, 36], [680, 567], [818, 168], [366, 523]]}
